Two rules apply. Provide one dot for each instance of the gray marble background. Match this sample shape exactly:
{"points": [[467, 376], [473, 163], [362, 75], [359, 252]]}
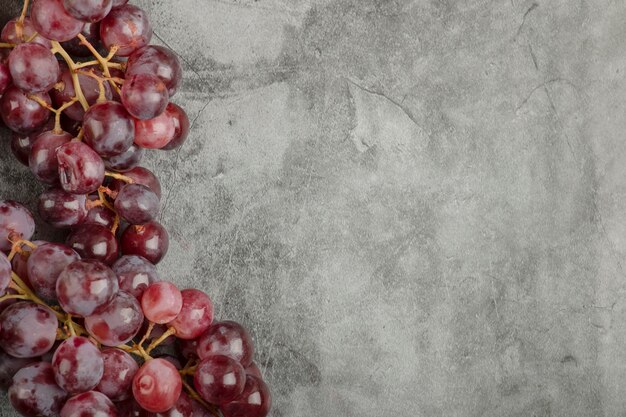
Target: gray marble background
{"points": [[417, 207]]}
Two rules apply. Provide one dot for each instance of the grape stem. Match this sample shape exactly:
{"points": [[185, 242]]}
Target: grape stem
{"points": [[169, 332], [7, 45], [119, 177], [194, 395], [19, 25], [104, 62], [58, 49], [17, 247]]}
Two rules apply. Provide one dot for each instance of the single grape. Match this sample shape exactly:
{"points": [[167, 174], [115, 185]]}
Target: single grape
{"points": [[51, 20], [86, 287], [78, 365], [9, 366], [9, 33], [125, 161], [159, 61], [100, 216], [81, 169], [195, 316], [137, 203], [229, 339], [140, 175], [155, 133], [45, 264], [161, 302], [91, 32], [42, 161], [65, 92], [182, 408], [20, 113], [35, 393], [119, 322], [181, 126], [93, 241], [108, 128], [149, 240], [5, 77], [22, 143], [33, 67], [62, 209], [27, 329], [119, 370], [157, 386], [144, 96], [254, 370], [5, 273], [135, 274], [127, 27], [89, 404], [88, 10], [219, 379], [16, 222], [255, 401]]}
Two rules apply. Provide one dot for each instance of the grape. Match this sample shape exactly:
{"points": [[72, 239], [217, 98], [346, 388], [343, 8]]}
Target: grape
{"points": [[219, 379], [119, 322], [229, 339], [93, 241], [188, 349], [89, 404], [173, 360], [51, 20], [159, 61], [157, 386], [141, 175], [20, 260], [144, 96], [181, 125], [16, 222], [155, 133], [9, 365], [5, 77], [88, 10], [42, 161], [100, 216], [27, 329], [195, 316], [255, 401], [135, 274], [45, 264], [62, 209], [127, 27], [91, 32], [182, 408], [119, 371], [20, 113], [35, 393], [81, 170], [108, 128], [33, 67], [78, 365], [5, 273], [127, 160], [149, 240], [9, 33], [253, 370], [86, 287], [137, 203], [161, 302], [88, 85], [22, 143]]}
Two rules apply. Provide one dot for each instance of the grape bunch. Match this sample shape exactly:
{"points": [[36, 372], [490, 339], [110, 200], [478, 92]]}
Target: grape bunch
{"points": [[87, 328]]}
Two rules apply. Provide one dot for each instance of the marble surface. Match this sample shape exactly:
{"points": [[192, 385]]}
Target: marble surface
{"points": [[417, 207]]}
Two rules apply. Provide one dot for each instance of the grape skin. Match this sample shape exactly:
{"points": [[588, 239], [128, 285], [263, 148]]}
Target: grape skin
{"points": [[219, 379], [44, 266], [15, 219], [42, 161], [119, 322], [227, 338], [127, 27], [78, 365], [62, 209], [255, 401], [35, 393], [161, 302], [93, 241], [149, 240], [81, 170], [27, 329], [89, 404], [145, 96], [33, 67], [157, 60], [51, 20], [157, 385], [135, 273], [119, 370], [20, 113], [137, 204], [108, 128], [195, 316]]}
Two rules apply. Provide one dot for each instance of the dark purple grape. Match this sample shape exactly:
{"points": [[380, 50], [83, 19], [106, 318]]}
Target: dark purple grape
{"points": [[155, 133], [161, 302], [125, 161], [27, 329], [145, 96], [16, 222], [91, 32], [157, 386], [100, 216], [20, 113], [119, 370], [159, 61], [51, 20], [88, 10], [35, 393], [93, 241], [45, 264], [219, 379], [33, 67], [255, 401], [135, 274], [127, 27], [9, 365], [89, 404], [81, 169], [119, 322], [188, 349], [181, 126], [9, 33], [140, 175], [195, 316], [62, 209], [42, 160], [137, 204], [108, 128], [86, 287], [149, 240], [21, 144], [78, 365], [88, 85], [5, 77], [227, 338]]}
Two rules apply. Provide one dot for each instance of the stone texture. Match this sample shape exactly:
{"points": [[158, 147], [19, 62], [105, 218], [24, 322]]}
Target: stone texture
{"points": [[417, 207]]}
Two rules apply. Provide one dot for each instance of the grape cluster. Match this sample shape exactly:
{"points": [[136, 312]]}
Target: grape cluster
{"points": [[87, 328]]}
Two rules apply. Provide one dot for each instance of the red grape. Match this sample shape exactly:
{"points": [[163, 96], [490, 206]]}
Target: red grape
{"points": [[182, 408], [149, 240], [255, 401], [45, 264], [86, 287], [141, 175], [43, 160], [27, 329], [227, 338], [9, 365], [89, 404], [20, 113], [100, 216], [219, 379], [22, 143], [127, 27], [78, 365], [33, 67], [16, 221], [35, 393], [51, 20], [93, 241], [88, 10], [9, 33], [119, 322], [119, 370], [159, 61], [135, 274], [137, 203], [81, 170], [62, 209], [161, 302], [145, 96], [125, 161], [155, 133], [157, 385], [5, 77], [181, 126], [195, 316], [108, 128]]}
